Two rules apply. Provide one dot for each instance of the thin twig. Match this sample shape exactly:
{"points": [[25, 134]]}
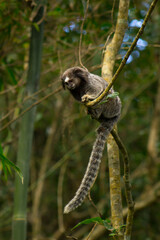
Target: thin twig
{"points": [[39, 91], [145, 200], [26, 98], [91, 231], [109, 35], [156, 45], [44, 14], [135, 94], [91, 201], [60, 62], [72, 237], [59, 197], [7, 114], [122, 64], [19, 84], [112, 12], [29, 108], [128, 192], [61, 161], [80, 41]]}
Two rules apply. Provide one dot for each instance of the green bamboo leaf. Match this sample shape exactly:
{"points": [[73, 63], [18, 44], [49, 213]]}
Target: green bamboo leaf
{"points": [[10, 73], [1, 150], [36, 26], [1, 84], [90, 220], [3, 162], [6, 163], [4, 168], [11, 76], [17, 170], [9, 169]]}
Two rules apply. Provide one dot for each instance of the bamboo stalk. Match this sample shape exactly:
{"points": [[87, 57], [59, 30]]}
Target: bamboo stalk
{"points": [[19, 222]]}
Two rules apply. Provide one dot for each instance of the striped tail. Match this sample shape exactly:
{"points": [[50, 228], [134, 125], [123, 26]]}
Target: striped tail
{"points": [[91, 171]]}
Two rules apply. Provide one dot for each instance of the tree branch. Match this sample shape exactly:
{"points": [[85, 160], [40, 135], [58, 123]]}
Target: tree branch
{"points": [[30, 107], [121, 66], [113, 152]]}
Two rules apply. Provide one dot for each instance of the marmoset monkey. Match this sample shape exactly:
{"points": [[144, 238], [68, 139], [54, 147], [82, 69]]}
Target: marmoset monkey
{"points": [[85, 86]]}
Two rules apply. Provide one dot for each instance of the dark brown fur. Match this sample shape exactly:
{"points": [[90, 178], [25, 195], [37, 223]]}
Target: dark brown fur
{"points": [[85, 86]]}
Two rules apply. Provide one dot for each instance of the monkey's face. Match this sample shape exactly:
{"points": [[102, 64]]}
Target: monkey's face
{"points": [[74, 77], [70, 82]]}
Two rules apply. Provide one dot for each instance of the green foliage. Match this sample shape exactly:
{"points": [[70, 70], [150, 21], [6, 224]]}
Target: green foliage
{"points": [[112, 95], [137, 87], [87, 221], [106, 223], [7, 164], [36, 26], [10, 73]]}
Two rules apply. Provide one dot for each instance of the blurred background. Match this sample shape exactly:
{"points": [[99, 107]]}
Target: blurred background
{"points": [[63, 132]]}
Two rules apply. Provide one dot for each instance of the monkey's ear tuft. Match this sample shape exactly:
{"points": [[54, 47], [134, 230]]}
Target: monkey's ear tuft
{"points": [[77, 70], [81, 73]]}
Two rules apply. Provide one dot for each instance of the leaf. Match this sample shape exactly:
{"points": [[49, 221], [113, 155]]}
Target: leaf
{"points": [[6, 164], [90, 220], [1, 150], [9, 169], [4, 168], [17, 170], [112, 234], [1, 84], [112, 95], [107, 224], [36, 26], [10, 73], [122, 226]]}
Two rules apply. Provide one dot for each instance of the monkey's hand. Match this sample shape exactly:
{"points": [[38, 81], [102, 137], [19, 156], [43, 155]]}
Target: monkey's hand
{"points": [[86, 98]]}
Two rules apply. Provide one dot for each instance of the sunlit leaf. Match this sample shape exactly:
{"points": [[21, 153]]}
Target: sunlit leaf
{"points": [[36, 26], [90, 220], [112, 234], [113, 95]]}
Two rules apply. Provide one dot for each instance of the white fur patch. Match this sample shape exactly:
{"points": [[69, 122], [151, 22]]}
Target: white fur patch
{"points": [[66, 79]]}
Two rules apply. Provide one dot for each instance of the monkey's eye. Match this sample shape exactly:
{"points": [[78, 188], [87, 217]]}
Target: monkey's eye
{"points": [[68, 81]]}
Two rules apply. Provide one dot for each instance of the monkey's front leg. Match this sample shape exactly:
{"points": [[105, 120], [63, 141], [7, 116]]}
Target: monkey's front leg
{"points": [[94, 112]]}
